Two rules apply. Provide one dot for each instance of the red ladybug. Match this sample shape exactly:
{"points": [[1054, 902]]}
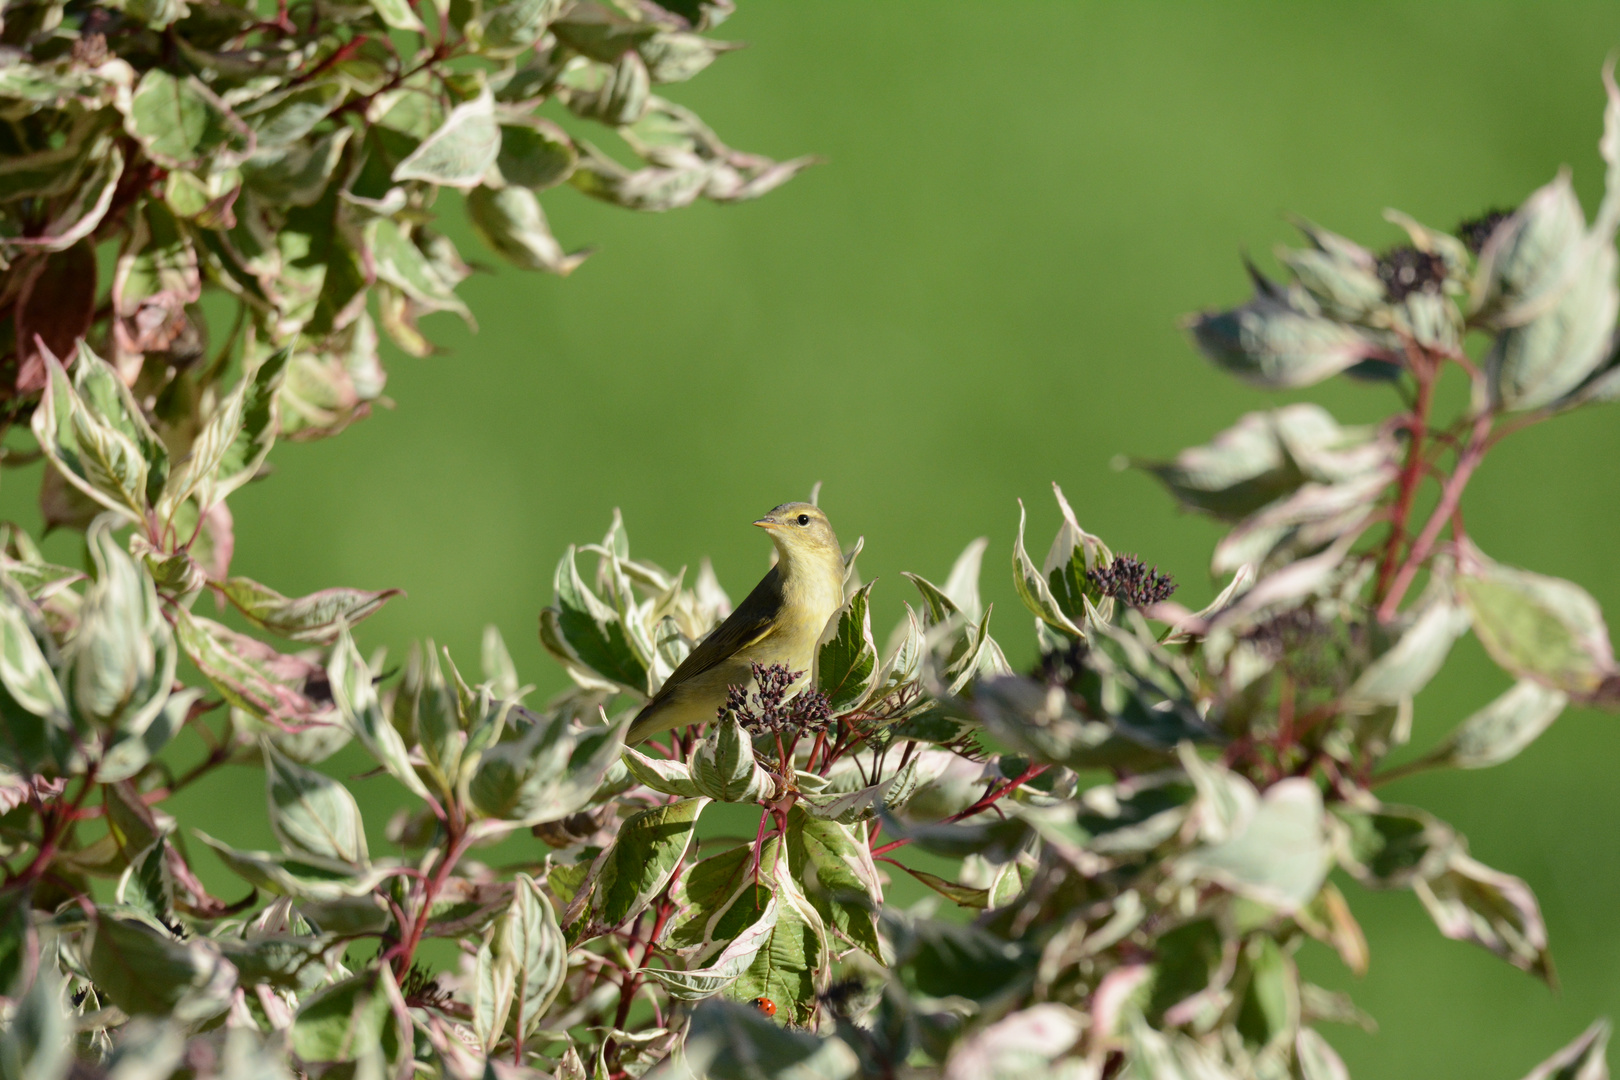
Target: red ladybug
{"points": [[765, 1005]]}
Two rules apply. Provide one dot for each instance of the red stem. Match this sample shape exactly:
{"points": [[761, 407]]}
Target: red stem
{"points": [[1412, 471], [57, 822], [1450, 497], [457, 846], [983, 804]]}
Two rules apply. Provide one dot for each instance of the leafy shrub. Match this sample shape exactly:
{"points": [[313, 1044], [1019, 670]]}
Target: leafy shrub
{"points": [[1143, 828]]}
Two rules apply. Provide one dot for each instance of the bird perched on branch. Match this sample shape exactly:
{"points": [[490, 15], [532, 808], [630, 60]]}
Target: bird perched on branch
{"points": [[778, 623]]}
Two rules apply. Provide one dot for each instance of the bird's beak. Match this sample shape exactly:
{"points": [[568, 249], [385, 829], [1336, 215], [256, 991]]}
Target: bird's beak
{"points": [[765, 523]]}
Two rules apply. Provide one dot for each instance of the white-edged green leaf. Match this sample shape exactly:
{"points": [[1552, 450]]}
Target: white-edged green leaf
{"points": [[1535, 626], [461, 151], [847, 659], [316, 617], [723, 767], [661, 774], [738, 956], [646, 851], [312, 814]]}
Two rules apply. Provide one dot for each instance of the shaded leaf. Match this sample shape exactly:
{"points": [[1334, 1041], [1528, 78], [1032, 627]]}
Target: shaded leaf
{"points": [[1471, 902]]}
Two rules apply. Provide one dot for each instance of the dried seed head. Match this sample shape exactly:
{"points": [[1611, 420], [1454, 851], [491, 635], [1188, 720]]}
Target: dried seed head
{"points": [[1406, 270], [764, 709], [1131, 581], [1475, 231]]}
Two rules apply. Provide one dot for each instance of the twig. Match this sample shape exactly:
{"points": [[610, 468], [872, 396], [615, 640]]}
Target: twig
{"points": [[1417, 428], [1450, 496], [983, 804]]}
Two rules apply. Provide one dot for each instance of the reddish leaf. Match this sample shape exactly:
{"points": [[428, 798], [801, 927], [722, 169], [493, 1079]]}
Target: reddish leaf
{"points": [[56, 305]]}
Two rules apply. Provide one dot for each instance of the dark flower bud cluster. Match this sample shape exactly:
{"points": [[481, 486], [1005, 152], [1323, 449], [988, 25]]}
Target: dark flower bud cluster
{"points": [[1475, 231], [765, 710], [1313, 650], [1131, 581], [1406, 270]]}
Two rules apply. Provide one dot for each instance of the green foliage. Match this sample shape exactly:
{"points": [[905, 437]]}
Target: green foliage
{"points": [[1139, 833]]}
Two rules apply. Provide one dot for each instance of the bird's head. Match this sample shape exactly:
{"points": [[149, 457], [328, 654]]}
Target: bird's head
{"points": [[801, 532]]}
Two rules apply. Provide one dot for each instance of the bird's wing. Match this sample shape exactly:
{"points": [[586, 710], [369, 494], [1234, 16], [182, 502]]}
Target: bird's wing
{"points": [[748, 624]]}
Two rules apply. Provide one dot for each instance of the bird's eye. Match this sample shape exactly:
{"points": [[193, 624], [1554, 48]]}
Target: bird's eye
{"points": [[804, 519]]}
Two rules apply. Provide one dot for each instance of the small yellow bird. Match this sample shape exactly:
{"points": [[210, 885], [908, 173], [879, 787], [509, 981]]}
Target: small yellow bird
{"points": [[779, 623]]}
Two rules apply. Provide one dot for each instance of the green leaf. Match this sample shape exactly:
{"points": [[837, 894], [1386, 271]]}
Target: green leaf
{"points": [[1535, 364], [676, 57], [401, 263], [1032, 586], [964, 895], [1268, 1015], [514, 226], [850, 893], [181, 122], [94, 433], [1393, 847], [1416, 656], [1528, 259], [499, 670], [645, 853], [528, 938], [36, 1043], [340, 1022], [248, 673], [536, 154], [287, 961], [461, 151], [143, 971], [1584, 1059], [548, 772], [1074, 552], [661, 774], [233, 443], [940, 959], [1026, 1043], [312, 814], [1275, 342], [306, 879], [35, 727], [587, 636], [119, 666], [18, 941], [1318, 1060], [847, 662], [1534, 626], [1266, 456], [723, 766], [509, 27], [492, 988], [296, 174], [738, 956], [791, 966], [147, 886], [1471, 902], [1341, 275], [284, 116], [356, 699], [398, 14], [1501, 730], [1280, 858], [82, 212], [712, 898], [316, 617], [615, 93], [728, 1041]]}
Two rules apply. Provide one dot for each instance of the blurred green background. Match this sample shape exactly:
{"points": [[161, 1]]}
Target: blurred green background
{"points": [[977, 294]]}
